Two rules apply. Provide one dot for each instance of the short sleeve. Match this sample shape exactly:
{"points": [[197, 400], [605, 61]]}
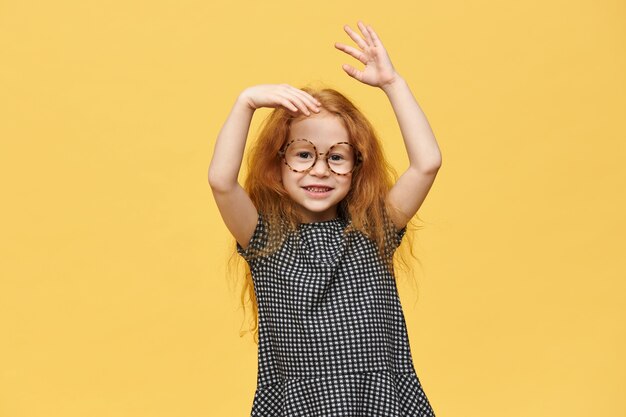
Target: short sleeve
{"points": [[257, 242], [394, 235], [399, 235]]}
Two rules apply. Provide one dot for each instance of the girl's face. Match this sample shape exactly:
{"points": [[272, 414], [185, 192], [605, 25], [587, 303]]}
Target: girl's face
{"points": [[318, 191]]}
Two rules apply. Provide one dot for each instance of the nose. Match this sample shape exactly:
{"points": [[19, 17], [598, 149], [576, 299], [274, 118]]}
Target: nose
{"points": [[320, 168]]}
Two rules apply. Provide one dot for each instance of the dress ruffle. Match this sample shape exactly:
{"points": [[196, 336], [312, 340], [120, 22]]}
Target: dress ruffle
{"points": [[365, 394]]}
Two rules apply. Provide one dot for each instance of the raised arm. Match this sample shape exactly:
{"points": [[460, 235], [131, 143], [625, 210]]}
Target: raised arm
{"points": [[411, 189], [235, 206], [409, 192]]}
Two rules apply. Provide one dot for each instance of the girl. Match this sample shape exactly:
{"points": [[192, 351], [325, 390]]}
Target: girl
{"points": [[318, 223]]}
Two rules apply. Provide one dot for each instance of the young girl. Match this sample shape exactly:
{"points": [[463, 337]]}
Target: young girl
{"points": [[318, 223]]}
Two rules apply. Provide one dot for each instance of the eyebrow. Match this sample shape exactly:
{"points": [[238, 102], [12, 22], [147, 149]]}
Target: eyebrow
{"points": [[309, 139]]}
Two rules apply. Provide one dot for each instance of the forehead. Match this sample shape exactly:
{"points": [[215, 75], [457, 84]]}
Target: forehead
{"points": [[323, 129]]}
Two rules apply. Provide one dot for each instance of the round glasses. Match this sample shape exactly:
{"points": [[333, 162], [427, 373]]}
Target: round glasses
{"points": [[300, 155]]}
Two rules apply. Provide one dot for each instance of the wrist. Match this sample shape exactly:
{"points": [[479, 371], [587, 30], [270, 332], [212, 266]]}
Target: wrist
{"points": [[393, 84], [244, 102]]}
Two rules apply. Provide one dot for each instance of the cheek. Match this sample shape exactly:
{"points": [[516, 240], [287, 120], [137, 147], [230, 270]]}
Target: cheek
{"points": [[346, 183], [288, 178]]}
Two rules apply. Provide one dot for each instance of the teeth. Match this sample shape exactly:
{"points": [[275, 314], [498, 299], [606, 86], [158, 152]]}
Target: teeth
{"points": [[317, 189]]}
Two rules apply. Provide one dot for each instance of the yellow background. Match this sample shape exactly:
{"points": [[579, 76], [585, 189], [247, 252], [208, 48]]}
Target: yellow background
{"points": [[113, 294]]}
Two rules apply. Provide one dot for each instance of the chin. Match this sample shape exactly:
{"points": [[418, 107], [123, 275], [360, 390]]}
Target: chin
{"points": [[319, 211]]}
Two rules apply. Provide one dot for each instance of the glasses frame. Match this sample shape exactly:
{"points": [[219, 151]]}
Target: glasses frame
{"points": [[325, 155]]}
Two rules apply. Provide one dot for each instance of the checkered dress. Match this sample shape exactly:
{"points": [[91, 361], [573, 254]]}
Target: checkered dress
{"points": [[332, 334]]}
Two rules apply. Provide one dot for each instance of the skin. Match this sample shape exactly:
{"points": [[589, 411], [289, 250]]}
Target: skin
{"points": [[412, 187], [324, 130]]}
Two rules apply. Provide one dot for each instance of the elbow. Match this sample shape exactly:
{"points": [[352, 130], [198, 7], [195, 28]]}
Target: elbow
{"points": [[435, 164], [432, 167], [219, 187], [219, 183], [215, 180]]}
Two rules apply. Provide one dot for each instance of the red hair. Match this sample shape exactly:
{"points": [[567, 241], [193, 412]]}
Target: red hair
{"points": [[364, 205]]}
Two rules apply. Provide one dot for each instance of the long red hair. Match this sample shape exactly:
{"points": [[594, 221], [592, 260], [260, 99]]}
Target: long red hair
{"points": [[364, 205]]}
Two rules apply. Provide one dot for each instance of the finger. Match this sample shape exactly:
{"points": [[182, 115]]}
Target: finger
{"points": [[308, 99], [311, 98], [351, 71], [292, 94], [287, 104], [375, 40], [355, 37], [301, 93], [298, 102], [365, 32], [304, 105], [287, 99], [352, 51]]}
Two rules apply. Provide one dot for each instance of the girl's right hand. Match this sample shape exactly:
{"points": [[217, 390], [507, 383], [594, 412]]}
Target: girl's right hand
{"points": [[277, 95]]}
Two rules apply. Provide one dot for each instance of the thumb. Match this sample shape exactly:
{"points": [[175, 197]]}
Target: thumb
{"points": [[351, 71]]}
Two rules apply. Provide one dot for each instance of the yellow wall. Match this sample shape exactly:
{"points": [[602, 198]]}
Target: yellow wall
{"points": [[113, 295]]}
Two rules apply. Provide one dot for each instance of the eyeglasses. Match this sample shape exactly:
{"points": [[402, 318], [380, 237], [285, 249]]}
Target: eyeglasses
{"points": [[300, 155]]}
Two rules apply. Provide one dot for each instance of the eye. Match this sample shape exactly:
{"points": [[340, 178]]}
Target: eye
{"points": [[304, 155], [336, 157]]}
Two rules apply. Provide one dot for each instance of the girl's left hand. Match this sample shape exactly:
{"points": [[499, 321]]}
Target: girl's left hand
{"points": [[378, 71]]}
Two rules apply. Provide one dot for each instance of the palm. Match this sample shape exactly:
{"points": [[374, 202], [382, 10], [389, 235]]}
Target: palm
{"points": [[378, 69]]}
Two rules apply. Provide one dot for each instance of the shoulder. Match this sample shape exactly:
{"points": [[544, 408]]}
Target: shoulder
{"points": [[266, 239], [257, 240]]}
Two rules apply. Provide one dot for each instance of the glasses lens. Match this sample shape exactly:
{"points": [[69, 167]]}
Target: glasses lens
{"points": [[341, 158], [300, 155]]}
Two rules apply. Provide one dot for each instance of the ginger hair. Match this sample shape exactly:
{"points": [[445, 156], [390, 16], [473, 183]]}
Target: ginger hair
{"points": [[364, 205]]}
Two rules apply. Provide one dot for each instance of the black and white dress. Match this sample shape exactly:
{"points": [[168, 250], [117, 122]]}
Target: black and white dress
{"points": [[332, 333]]}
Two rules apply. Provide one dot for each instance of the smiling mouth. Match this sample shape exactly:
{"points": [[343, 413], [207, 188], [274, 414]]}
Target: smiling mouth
{"points": [[317, 189]]}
